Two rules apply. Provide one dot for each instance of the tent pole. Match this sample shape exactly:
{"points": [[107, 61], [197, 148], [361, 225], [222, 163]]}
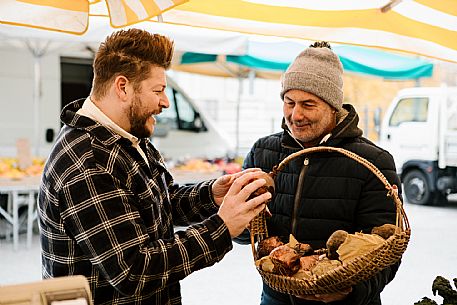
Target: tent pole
{"points": [[238, 106], [37, 53], [36, 102]]}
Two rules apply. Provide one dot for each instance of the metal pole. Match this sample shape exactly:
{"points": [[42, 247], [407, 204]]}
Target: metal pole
{"points": [[238, 106], [36, 102], [37, 52], [366, 129]]}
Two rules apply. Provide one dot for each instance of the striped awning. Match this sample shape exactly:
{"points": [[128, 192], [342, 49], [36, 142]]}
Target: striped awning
{"points": [[424, 27], [72, 16]]}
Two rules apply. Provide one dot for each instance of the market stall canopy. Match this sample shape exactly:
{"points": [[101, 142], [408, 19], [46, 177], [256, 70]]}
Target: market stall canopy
{"points": [[424, 27], [270, 59], [187, 39], [72, 16]]}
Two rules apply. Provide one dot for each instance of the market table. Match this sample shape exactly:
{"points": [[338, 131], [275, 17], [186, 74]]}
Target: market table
{"points": [[189, 177], [20, 192]]}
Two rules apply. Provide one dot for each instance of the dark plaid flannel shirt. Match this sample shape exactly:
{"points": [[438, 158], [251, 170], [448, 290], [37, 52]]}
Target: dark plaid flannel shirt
{"points": [[107, 215]]}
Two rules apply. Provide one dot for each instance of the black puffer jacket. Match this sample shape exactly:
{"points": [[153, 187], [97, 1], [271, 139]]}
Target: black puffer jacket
{"points": [[317, 194]]}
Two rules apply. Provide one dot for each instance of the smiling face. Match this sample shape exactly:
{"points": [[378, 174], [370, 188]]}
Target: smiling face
{"points": [[148, 100], [307, 116]]}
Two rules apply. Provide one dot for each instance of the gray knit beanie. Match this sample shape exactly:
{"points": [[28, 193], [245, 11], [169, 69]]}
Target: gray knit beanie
{"points": [[316, 70]]}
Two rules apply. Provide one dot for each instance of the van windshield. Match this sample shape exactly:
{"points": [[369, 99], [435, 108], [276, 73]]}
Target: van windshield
{"points": [[410, 110]]}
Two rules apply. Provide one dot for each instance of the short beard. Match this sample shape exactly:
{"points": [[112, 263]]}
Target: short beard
{"points": [[138, 122], [325, 126]]}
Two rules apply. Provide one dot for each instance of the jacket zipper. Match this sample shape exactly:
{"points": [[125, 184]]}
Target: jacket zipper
{"points": [[298, 193]]}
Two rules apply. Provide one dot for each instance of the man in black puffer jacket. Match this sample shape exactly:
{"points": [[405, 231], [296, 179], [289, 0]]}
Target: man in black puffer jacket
{"points": [[317, 194]]}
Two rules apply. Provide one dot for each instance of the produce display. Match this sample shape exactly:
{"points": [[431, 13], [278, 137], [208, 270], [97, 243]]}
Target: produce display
{"points": [[10, 169], [197, 165], [201, 165], [300, 261]]}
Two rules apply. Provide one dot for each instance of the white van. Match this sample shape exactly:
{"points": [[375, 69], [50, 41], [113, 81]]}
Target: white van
{"points": [[183, 131], [420, 131]]}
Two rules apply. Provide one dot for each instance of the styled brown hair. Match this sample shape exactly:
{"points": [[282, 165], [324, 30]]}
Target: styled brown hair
{"points": [[129, 53]]}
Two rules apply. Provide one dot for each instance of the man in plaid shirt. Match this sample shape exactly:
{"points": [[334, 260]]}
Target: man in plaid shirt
{"points": [[107, 203]]}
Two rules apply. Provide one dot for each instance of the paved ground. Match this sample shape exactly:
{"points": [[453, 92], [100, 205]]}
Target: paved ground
{"points": [[432, 251]]}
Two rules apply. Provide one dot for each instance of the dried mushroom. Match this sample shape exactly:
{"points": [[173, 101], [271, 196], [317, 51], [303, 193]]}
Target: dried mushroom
{"points": [[265, 246], [301, 248], [269, 186], [334, 242], [385, 231], [308, 262], [285, 259]]}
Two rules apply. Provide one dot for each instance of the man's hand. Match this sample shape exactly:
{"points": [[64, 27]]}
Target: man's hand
{"points": [[222, 184], [236, 210], [328, 297]]}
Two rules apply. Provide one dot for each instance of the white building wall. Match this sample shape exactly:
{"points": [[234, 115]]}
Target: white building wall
{"points": [[17, 112]]}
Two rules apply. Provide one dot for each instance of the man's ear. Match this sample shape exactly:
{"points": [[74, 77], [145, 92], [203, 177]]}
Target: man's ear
{"points": [[120, 84]]}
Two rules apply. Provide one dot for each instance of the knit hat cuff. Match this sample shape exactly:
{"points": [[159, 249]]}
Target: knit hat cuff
{"points": [[315, 84]]}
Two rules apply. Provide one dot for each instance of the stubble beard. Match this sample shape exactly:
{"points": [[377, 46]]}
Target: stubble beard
{"points": [[138, 121], [314, 132]]}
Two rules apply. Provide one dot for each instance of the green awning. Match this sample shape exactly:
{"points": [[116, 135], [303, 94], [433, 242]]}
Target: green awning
{"points": [[278, 56]]}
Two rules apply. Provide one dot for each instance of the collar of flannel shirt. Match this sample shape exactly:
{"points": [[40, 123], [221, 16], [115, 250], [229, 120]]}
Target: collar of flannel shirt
{"points": [[90, 110], [106, 136]]}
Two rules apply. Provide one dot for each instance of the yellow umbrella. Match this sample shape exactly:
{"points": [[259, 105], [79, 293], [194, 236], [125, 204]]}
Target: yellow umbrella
{"points": [[72, 16]]}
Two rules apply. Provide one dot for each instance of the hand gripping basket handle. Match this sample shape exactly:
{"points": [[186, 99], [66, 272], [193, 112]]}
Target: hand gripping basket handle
{"points": [[258, 224]]}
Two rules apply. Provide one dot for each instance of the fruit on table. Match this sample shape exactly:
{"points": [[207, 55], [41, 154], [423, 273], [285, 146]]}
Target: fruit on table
{"points": [[198, 165], [231, 168], [9, 168]]}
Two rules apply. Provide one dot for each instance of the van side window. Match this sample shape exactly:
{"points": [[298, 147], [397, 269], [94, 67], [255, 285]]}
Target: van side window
{"points": [[180, 115], [410, 110], [185, 111]]}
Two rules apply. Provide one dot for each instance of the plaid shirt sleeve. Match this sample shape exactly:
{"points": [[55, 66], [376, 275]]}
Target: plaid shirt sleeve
{"points": [[192, 203], [104, 217]]}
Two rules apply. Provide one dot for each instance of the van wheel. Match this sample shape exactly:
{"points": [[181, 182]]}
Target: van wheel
{"points": [[417, 188]]}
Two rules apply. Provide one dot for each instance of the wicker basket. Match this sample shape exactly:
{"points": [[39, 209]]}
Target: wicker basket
{"points": [[352, 272]]}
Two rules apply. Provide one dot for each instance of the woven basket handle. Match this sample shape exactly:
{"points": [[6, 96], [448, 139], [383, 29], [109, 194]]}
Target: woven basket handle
{"points": [[401, 222]]}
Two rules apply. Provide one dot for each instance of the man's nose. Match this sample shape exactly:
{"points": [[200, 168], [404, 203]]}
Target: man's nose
{"points": [[298, 113], [164, 101]]}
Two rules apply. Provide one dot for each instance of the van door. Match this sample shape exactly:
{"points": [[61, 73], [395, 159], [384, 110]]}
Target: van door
{"points": [[410, 129], [448, 148]]}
